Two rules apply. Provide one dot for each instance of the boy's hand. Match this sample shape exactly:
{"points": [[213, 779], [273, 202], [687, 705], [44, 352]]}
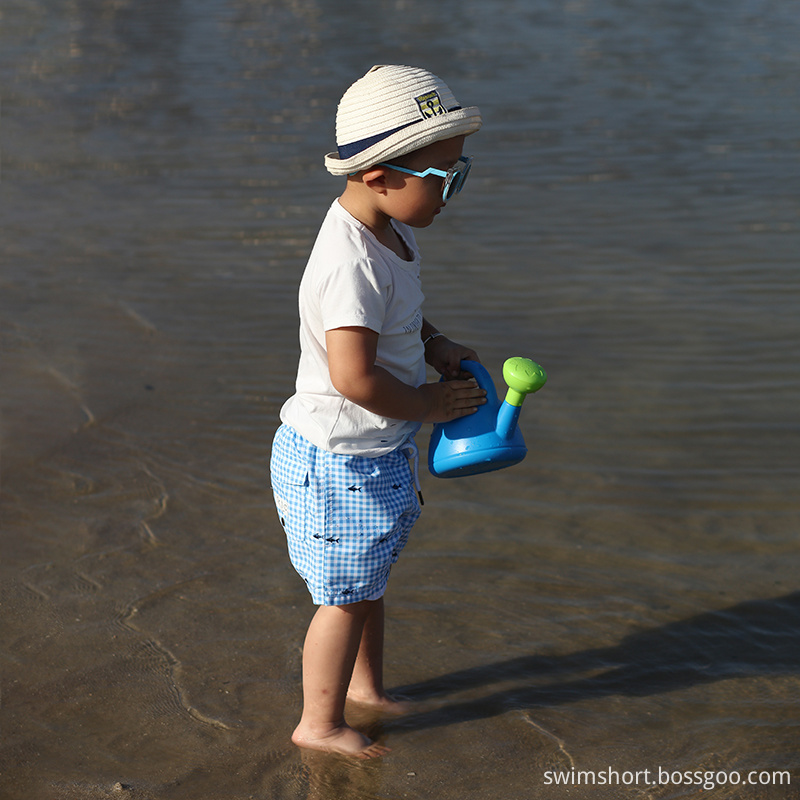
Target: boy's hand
{"points": [[452, 399], [446, 356]]}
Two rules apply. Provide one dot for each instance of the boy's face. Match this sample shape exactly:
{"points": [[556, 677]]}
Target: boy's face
{"points": [[416, 201]]}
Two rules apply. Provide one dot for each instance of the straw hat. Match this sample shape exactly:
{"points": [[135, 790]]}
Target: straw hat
{"points": [[391, 111]]}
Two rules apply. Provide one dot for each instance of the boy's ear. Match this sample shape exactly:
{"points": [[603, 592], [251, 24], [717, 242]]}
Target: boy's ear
{"points": [[375, 178]]}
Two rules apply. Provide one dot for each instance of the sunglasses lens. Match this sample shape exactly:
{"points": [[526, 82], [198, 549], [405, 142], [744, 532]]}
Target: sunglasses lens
{"points": [[456, 179]]}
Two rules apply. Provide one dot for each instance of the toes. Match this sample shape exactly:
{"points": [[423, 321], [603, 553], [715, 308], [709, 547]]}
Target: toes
{"points": [[376, 751]]}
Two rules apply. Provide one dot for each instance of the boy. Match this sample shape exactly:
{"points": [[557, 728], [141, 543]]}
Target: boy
{"points": [[344, 463]]}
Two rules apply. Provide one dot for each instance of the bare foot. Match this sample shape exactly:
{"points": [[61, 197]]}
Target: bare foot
{"points": [[341, 739], [384, 702]]}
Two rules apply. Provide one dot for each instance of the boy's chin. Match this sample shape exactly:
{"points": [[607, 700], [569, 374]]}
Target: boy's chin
{"points": [[420, 221], [426, 223]]}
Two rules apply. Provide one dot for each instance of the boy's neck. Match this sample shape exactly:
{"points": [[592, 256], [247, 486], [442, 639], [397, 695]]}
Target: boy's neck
{"points": [[359, 202], [358, 205]]}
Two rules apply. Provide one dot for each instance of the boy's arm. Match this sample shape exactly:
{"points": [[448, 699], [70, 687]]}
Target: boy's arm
{"points": [[351, 360], [443, 355]]}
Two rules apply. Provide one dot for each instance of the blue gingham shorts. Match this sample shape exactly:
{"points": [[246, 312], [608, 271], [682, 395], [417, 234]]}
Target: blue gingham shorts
{"points": [[346, 517]]}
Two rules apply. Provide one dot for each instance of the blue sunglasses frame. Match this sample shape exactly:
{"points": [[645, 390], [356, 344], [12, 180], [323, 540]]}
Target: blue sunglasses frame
{"points": [[454, 178]]}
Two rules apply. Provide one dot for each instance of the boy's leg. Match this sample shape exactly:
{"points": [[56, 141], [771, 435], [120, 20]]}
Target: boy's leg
{"points": [[366, 685], [329, 655]]}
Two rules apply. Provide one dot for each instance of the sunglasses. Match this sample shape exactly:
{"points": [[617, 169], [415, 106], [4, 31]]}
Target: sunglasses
{"points": [[454, 178]]}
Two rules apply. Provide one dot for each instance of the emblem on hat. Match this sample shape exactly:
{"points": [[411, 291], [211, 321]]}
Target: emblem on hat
{"points": [[430, 105]]}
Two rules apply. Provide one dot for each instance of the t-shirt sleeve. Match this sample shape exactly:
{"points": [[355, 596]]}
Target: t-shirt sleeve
{"points": [[354, 295]]}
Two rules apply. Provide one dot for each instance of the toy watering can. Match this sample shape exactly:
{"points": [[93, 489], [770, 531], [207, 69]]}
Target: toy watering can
{"points": [[490, 438]]}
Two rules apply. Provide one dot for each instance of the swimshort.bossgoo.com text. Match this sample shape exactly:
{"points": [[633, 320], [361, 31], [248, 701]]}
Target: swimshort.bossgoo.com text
{"points": [[706, 779]]}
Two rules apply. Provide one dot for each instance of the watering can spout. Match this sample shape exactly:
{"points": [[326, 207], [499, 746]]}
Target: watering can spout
{"points": [[490, 438], [523, 377]]}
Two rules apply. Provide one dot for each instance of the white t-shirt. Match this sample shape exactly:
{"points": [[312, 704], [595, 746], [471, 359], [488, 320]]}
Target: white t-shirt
{"points": [[353, 280]]}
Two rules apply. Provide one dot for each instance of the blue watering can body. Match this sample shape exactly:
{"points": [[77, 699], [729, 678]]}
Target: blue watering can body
{"points": [[489, 439]]}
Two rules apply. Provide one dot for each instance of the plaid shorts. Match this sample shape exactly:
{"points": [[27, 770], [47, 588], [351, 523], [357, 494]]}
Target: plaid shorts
{"points": [[346, 517]]}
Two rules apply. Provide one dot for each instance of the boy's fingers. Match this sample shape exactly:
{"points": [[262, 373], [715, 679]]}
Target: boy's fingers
{"points": [[468, 395], [465, 383]]}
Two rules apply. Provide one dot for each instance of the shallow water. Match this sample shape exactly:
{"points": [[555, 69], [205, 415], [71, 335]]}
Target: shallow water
{"points": [[625, 598]]}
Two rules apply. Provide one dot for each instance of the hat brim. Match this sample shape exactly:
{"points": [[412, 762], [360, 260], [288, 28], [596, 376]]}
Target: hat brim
{"points": [[460, 122]]}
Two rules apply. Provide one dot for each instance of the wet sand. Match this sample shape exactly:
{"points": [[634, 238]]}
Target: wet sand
{"points": [[624, 599]]}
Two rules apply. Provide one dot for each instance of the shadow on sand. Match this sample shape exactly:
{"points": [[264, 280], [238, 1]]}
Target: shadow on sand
{"points": [[760, 637]]}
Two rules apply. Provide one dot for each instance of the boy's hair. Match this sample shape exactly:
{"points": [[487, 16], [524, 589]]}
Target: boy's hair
{"points": [[392, 111]]}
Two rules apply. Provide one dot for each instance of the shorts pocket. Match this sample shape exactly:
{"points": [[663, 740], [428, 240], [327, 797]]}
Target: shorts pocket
{"points": [[289, 473], [290, 502]]}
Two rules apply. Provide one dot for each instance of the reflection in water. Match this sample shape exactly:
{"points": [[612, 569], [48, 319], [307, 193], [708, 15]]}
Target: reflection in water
{"points": [[329, 777]]}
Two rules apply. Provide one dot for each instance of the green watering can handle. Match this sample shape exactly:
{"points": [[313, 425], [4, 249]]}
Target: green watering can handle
{"points": [[523, 377]]}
